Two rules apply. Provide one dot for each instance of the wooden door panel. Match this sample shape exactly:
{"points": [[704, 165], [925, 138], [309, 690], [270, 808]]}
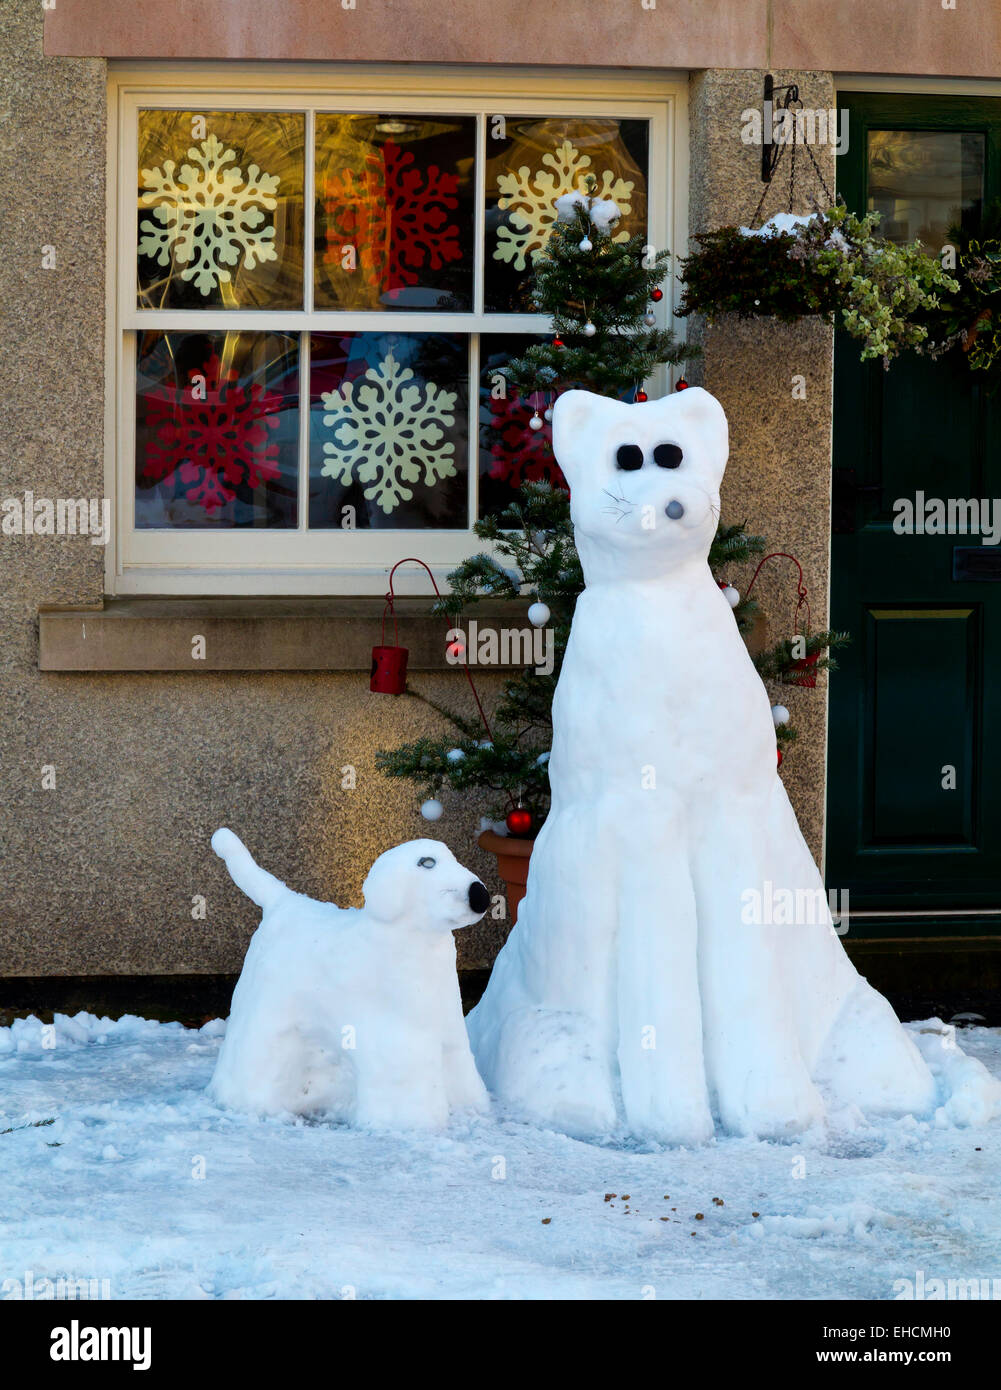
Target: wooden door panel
{"points": [[919, 780]]}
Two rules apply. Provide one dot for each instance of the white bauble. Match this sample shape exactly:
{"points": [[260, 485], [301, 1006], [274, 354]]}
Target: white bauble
{"points": [[432, 809], [650, 319], [547, 414], [538, 614], [780, 715], [586, 245], [484, 743], [455, 755], [535, 423], [731, 595], [589, 329]]}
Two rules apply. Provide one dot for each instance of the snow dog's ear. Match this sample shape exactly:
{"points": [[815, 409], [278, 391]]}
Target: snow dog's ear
{"points": [[385, 887], [574, 417]]}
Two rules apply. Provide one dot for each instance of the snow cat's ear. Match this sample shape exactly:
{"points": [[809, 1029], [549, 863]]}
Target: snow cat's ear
{"points": [[703, 415], [385, 887], [575, 415]]}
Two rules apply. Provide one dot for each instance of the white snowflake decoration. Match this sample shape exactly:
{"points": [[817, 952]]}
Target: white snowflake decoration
{"points": [[209, 215], [531, 199], [387, 433]]}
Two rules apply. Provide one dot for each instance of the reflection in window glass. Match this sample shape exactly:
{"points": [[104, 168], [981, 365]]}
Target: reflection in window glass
{"points": [[388, 430], [510, 451], [394, 212], [530, 162], [922, 182], [217, 430], [220, 220]]}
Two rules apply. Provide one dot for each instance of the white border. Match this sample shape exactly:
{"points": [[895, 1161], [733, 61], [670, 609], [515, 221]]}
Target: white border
{"points": [[173, 562]]}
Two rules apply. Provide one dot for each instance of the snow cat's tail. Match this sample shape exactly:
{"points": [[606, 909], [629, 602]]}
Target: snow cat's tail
{"points": [[260, 886]]}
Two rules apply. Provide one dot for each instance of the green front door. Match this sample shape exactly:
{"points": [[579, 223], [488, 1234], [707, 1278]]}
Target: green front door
{"points": [[914, 765]]}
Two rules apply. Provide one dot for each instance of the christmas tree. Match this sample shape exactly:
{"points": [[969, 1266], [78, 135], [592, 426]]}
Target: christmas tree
{"points": [[599, 293]]}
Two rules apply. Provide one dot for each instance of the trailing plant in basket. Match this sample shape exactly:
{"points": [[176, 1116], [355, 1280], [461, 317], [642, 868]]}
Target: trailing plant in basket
{"points": [[831, 264], [969, 319]]}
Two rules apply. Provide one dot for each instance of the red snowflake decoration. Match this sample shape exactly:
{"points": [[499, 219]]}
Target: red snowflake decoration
{"points": [[521, 454], [394, 215], [213, 433]]}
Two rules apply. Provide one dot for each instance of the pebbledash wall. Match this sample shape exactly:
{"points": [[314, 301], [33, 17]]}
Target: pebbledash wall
{"points": [[98, 872]]}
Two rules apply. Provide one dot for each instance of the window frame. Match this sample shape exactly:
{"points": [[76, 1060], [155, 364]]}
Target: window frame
{"points": [[152, 561]]}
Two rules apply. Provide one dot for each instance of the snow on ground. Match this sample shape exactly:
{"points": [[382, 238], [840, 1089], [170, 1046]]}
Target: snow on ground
{"points": [[103, 1134]]}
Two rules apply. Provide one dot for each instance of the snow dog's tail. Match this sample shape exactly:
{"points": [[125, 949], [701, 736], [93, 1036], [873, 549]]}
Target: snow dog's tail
{"points": [[260, 886]]}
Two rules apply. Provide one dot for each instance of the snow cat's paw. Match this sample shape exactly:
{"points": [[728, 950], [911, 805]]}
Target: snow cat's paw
{"points": [[769, 1103], [550, 1067]]}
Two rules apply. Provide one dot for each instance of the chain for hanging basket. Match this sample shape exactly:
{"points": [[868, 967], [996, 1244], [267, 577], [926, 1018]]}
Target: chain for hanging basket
{"points": [[791, 103]]}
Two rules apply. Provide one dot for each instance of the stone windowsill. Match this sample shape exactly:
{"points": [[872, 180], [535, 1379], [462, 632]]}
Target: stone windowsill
{"points": [[248, 634]]}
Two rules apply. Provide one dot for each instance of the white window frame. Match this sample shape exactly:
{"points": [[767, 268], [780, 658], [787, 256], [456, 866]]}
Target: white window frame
{"points": [[288, 562]]}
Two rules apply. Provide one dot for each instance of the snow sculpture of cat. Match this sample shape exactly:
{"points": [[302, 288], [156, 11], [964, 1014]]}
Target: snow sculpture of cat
{"points": [[633, 995], [354, 1013]]}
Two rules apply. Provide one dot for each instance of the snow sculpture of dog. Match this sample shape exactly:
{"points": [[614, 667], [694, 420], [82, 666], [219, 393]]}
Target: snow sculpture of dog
{"points": [[633, 994], [354, 1013]]}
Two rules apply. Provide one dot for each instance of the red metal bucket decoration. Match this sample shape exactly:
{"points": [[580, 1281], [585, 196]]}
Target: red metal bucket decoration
{"points": [[808, 665], [389, 664], [389, 670]]}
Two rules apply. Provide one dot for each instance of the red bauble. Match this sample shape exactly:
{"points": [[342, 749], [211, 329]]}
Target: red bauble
{"points": [[558, 342], [779, 758], [641, 396], [681, 384], [656, 295], [518, 821]]}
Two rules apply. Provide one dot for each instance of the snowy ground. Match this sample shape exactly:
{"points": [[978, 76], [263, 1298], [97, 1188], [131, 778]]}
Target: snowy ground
{"points": [[102, 1137]]}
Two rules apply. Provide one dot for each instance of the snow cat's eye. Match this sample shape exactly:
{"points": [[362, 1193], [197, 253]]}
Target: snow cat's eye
{"points": [[427, 862], [629, 456], [667, 456]]}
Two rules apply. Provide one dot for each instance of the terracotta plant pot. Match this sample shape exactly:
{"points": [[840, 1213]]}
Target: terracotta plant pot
{"points": [[513, 855]]}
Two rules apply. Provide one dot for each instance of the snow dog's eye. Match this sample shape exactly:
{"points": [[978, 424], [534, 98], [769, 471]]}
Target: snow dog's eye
{"points": [[426, 863], [667, 456], [629, 456]]}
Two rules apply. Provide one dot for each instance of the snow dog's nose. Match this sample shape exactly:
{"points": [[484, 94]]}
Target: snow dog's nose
{"points": [[675, 510], [479, 898]]}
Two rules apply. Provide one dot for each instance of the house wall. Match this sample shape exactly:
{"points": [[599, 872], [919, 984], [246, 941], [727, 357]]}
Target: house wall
{"points": [[100, 872], [900, 36]]}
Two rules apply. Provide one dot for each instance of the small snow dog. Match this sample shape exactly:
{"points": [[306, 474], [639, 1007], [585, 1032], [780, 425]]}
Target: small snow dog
{"points": [[354, 1014]]}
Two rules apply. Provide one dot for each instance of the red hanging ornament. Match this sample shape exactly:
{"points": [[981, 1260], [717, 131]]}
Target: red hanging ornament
{"points": [[656, 295], [558, 342], [641, 396], [518, 821], [681, 384], [778, 752]]}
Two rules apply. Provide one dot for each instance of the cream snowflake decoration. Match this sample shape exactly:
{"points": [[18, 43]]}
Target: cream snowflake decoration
{"points": [[530, 199], [388, 433], [209, 215]]}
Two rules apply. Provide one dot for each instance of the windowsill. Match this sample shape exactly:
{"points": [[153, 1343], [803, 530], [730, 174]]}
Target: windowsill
{"points": [[249, 634]]}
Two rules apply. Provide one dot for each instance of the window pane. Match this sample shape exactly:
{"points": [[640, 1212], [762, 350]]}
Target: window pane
{"points": [[394, 212], [530, 163], [388, 430], [217, 429], [922, 182], [220, 209], [511, 452]]}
